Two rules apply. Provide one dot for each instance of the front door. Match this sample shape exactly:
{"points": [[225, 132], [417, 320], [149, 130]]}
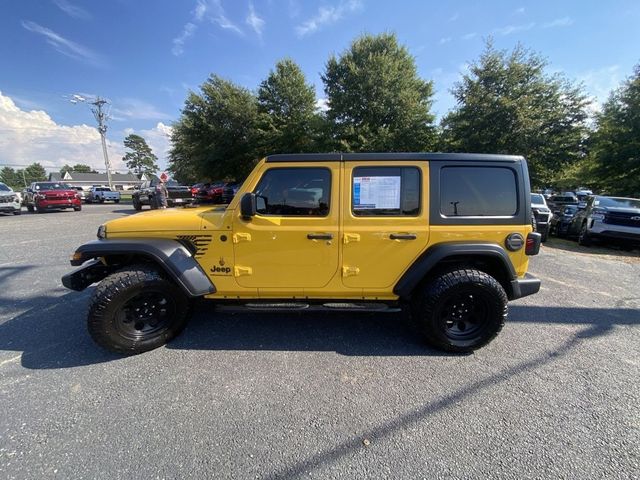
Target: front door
{"points": [[386, 222], [292, 241]]}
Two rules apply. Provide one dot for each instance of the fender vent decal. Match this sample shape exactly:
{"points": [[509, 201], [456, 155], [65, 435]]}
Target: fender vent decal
{"points": [[199, 242]]}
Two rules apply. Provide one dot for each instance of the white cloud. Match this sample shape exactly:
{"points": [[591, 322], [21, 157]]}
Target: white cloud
{"points": [[200, 10], [65, 46], [135, 109], [178, 42], [327, 15], [469, 36], [444, 40], [28, 137], [559, 22], [519, 11], [600, 82], [322, 105], [509, 29], [159, 139], [72, 10], [254, 21], [454, 17], [220, 18]]}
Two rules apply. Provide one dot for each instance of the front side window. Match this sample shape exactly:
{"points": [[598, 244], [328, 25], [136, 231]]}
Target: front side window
{"points": [[385, 191], [478, 192], [294, 192]]}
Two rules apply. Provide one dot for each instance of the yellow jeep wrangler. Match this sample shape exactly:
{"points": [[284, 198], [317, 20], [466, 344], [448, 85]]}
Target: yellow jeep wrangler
{"points": [[445, 237]]}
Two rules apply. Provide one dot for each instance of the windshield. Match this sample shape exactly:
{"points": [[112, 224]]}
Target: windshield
{"points": [[4, 188], [537, 198], [53, 186], [618, 202]]}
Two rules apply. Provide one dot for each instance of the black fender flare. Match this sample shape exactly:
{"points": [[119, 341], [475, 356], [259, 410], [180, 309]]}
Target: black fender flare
{"points": [[173, 257], [431, 257]]}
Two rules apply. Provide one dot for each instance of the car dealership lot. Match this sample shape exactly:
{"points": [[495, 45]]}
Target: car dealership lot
{"points": [[254, 395]]}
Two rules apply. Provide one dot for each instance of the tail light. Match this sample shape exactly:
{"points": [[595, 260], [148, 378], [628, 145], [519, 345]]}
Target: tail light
{"points": [[532, 245]]}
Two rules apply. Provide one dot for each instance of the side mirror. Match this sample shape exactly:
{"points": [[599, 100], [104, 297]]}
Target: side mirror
{"points": [[248, 206]]}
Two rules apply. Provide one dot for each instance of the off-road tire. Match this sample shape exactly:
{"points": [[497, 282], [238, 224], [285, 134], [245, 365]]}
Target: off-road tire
{"points": [[77, 209], [437, 303], [17, 212], [117, 201], [584, 238], [115, 324], [136, 204]]}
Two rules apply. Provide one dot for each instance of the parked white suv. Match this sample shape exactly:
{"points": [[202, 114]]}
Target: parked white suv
{"points": [[9, 200], [542, 214]]}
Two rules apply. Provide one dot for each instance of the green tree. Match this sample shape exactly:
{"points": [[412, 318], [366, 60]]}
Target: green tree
{"points": [[507, 103], [65, 169], [288, 121], [33, 173], [615, 146], [82, 168], [216, 134], [376, 100], [10, 177], [140, 158]]}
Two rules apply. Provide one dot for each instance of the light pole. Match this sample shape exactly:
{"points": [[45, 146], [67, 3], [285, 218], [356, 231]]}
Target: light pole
{"points": [[101, 115]]}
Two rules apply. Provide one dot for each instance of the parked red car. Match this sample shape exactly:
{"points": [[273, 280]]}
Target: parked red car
{"points": [[43, 196]]}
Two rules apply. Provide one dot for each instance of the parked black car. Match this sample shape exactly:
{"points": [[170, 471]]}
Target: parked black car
{"points": [[557, 202], [561, 220], [614, 219], [146, 194]]}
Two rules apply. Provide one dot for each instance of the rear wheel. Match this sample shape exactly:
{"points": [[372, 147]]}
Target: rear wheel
{"points": [[136, 203], [136, 309], [461, 310], [17, 212]]}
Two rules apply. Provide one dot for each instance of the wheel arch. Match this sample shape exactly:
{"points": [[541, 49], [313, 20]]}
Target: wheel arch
{"points": [[487, 257], [172, 257]]}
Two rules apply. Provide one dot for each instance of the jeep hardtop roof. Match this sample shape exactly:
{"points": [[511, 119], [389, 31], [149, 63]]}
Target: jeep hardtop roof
{"points": [[392, 156]]}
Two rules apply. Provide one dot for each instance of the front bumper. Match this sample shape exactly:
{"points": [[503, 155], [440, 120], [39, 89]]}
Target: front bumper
{"points": [[9, 207], [600, 229], [522, 287], [56, 204]]}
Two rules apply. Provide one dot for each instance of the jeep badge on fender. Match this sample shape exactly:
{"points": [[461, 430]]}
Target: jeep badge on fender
{"points": [[445, 236]]}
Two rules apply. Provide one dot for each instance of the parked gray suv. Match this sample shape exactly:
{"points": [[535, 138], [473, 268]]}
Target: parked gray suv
{"points": [[612, 218]]}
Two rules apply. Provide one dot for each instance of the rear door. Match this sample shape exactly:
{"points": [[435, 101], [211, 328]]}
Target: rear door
{"points": [[386, 221]]}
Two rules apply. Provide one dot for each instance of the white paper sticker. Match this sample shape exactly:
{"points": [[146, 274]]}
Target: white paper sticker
{"points": [[376, 192]]}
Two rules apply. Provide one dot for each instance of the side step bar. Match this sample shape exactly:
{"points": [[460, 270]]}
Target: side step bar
{"points": [[313, 307]]}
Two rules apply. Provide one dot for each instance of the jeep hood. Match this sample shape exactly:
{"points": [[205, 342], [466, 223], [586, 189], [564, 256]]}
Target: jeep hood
{"points": [[167, 220]]}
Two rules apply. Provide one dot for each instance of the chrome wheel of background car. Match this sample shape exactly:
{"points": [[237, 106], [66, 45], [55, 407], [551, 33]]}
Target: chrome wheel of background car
{"points": [[584, 237]]}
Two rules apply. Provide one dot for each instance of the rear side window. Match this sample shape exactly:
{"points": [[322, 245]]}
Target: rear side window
{"points": [[478, 192], [385, 191], [294, 192]]}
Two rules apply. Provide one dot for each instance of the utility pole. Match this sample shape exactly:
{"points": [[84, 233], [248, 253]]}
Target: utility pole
{"points": [[101, 118], [99, 112]]}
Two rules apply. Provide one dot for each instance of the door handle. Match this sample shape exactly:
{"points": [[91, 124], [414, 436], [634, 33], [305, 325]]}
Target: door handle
{"points": [[319, 236], [403, 236]]}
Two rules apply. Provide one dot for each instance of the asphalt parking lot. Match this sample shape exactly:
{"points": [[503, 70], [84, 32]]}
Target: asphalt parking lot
{"points": [[556, 395]]}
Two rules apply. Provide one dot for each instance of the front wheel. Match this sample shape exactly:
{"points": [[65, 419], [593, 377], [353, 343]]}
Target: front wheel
{"points": [[78, 208], [17, 212], [135, 310], [461, 310], [136, 204], [584, 238]]}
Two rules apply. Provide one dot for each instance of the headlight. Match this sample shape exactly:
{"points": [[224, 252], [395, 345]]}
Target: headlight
{"points": [[102, 232], [597, 216]]}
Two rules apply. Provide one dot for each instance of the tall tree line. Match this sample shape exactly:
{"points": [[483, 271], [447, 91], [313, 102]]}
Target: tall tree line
{"points": [[507, 102]]}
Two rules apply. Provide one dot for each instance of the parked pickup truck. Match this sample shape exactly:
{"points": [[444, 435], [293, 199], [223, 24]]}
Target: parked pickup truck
{"points": [[102, 194]]}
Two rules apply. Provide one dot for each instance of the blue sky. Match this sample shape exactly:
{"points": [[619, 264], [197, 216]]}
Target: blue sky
{"points": [[145, 56]]}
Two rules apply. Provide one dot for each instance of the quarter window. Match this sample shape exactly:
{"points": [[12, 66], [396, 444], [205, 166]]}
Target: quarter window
{"points": [[294, 192], [478, 192], [385, 191]]}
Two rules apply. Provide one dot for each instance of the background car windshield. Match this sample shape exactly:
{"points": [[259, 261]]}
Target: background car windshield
{"points": [[172, 183], [618, 202], [53, 186], [4, 188], [537, 198]]}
